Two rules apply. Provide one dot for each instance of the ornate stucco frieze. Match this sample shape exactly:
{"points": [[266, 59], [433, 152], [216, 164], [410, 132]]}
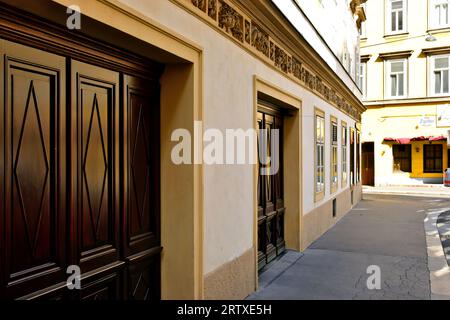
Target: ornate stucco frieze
{"points": [[244, 30]]}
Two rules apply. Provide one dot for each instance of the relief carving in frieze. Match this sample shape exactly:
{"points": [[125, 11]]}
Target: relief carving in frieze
{"points": [[247, 31], [272, 51], [201, 4], [231, 21], [252, 36], [212, 9], [297, 68], [281, 59], [260, 40]]}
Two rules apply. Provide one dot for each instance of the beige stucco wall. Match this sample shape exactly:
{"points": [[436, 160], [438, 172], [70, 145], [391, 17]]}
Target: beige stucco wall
{"points": [[224, 99], [321, 219], [228, 101]]}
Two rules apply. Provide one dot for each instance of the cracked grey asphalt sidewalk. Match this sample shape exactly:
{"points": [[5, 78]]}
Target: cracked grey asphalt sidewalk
{"points": [[383, 230]]}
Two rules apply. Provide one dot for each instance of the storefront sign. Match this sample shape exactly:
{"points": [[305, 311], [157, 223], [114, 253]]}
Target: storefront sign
{"points": [[443, 115], [426, 121]]}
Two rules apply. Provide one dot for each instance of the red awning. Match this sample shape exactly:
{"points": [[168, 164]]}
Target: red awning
{"points": [[421, 138]]}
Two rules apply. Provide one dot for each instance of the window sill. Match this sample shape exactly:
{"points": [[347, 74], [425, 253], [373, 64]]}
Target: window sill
{"points": [[396, 35], [395, 98], [334, 190], [439, 30], [319, 196], [445, 95]]}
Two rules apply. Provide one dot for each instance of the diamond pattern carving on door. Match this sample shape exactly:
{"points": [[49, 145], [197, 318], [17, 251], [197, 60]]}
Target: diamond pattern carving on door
{"points": [[141, 289], [140, 169], [32, 210], [95, 167], [143, 180], [144, 280], [142, 248], [36, 160], [66, 176], [97, 157], [32, 224]]}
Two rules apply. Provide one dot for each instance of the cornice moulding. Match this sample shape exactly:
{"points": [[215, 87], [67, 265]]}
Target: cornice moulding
{"points": [[261, 29], [365, 57], [407, 101], [395, 55], [435, 51]]}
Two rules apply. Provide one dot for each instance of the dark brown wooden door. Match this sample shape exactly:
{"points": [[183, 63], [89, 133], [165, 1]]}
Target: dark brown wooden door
{"points": [[95, 175], [95, 165], [270, 190], [368, 165], [142, 180], [81, 179], [32, 214]]}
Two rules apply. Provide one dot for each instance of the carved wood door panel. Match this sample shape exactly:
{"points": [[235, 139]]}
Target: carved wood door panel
{"points": [[270, 189], [142, 181], [32, 215], [95, 165], [81, 179]]}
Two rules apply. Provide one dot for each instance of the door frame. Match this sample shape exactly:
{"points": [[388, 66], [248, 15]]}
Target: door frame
{"points": [[363, 159], [43, 27], [292, 159], [267, 109]]}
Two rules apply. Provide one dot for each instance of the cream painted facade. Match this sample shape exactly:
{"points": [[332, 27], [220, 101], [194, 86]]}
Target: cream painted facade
{"points": [[215, 72], [420, 110], [339, 32]]}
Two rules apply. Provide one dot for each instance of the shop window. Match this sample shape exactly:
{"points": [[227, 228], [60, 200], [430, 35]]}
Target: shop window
{"points": [[432, 158], [448, 158], [402, 157]]}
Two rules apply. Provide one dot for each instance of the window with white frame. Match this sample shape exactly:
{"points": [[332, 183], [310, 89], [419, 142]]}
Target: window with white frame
{"points": [[363, 29], [320, 153], [439, 14], [396, 78], [396, 17], [334, 155], [362, 78], [440, 67], [344, 137]]}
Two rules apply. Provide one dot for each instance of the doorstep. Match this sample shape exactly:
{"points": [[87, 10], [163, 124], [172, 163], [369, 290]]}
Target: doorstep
{"points": [[275, 269]]}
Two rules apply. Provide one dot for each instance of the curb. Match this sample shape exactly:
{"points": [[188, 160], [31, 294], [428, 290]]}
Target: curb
{"points": [[437, 262], [407, 193]]}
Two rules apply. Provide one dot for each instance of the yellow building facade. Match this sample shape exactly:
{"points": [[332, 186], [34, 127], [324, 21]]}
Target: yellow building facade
{"points": [[404, 76]]}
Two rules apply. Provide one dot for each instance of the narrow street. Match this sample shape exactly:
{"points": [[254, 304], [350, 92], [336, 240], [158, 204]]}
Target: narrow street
{"points": [[383, 230]]}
